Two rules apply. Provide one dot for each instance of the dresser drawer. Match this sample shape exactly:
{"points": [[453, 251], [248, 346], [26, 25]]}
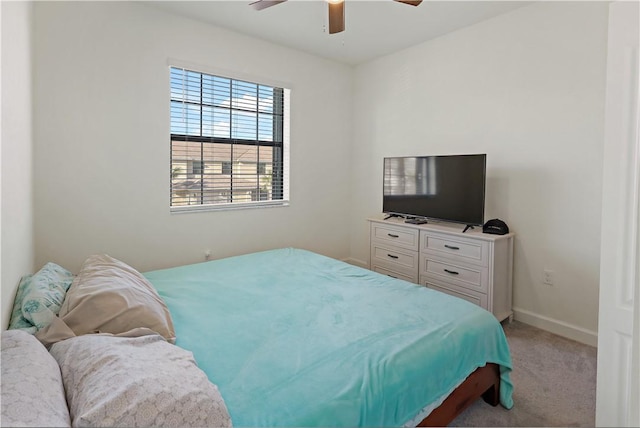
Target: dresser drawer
{"points": [[474, 278], [394, 274], [478, 299], [473, 266], [455, 248], [397, 236], [396, 259]]}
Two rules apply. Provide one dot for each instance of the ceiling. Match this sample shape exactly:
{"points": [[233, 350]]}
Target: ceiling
{"points": [[373, 28]]}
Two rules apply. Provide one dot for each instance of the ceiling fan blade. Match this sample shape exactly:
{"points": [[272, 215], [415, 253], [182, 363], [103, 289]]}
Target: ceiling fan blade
{"points": [[411, 2], [336, 16], [263, 4]]}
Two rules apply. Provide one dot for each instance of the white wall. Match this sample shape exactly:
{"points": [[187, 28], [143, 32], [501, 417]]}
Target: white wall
{"points": [[17, 147], [102, 139], [527, 88]]}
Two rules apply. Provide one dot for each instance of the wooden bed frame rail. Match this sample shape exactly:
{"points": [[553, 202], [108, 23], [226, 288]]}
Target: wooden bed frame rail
{"points": [[484, 382]]}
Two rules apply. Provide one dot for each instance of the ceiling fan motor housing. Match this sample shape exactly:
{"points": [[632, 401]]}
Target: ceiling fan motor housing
{"points": [[336, 11]]}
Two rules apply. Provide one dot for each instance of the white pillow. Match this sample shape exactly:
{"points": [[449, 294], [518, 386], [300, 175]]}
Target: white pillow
{"points": [[32, 389], [133, 382], [109, 296]]}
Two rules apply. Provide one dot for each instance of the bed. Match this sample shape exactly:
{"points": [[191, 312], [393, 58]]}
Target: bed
{"points": [[283, 337], [293, 338]]}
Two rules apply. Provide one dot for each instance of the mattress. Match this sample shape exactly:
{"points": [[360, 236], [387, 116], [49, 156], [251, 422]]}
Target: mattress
{"points": [[294, 338]]}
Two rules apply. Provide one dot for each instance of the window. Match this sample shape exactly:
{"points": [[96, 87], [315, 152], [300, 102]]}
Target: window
{"points": [[226, 167], [229, 142], [197, 167]]}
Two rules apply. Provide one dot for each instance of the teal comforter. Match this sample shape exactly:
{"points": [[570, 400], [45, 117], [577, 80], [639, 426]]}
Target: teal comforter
{"points": [[293, 338]]}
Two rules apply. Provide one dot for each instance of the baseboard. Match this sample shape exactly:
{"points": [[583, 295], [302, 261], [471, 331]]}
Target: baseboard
{"points": [[356, 262], [554, 326]]}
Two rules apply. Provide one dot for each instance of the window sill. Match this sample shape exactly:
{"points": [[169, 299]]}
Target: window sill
{"points": [[227, 207]]}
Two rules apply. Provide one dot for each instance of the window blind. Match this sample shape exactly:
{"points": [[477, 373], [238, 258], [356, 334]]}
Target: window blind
{"points": [[227, 141]]}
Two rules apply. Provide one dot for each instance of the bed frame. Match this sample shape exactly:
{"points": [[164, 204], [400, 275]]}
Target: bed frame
{"points": [[484, 382]]}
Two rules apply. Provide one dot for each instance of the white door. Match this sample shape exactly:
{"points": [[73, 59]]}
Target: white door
{"points": [[618, 384]]}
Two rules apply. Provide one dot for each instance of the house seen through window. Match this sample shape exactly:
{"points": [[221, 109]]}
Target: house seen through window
{"points": [[229, 142]]}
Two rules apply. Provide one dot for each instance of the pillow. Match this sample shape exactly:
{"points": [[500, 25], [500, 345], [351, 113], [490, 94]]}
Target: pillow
{"points": [[140, 381], [17, 321], [44, 296], [32, 388], [109, 296]]}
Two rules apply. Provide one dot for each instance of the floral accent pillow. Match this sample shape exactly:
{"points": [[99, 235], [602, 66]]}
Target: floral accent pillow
{"points": [[45, 293], [18, 321]]}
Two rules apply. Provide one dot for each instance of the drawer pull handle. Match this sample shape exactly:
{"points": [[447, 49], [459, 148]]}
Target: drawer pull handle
{"points": [[393, 236], [392, 256], [451, 247], [452, 272]]}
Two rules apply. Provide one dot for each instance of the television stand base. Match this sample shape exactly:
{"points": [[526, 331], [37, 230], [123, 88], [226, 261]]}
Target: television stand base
{"points": [[416, 221], [467, 228], [393, 215]]}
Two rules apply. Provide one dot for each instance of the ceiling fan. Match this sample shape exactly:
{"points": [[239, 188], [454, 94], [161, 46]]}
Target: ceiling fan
{"points": [[336, 11]]}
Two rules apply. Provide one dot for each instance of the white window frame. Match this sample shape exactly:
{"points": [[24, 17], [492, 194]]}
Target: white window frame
{"points": [[286, 89]]}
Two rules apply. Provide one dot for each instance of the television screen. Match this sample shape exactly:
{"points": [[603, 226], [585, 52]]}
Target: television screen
{"points": [[449, 188]]}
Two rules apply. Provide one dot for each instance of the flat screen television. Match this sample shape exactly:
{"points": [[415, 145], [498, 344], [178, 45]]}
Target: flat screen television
{"points": [[449, 188]]}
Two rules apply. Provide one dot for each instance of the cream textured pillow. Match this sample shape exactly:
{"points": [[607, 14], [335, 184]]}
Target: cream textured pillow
{"points": [[32, 389], [109, 296], [136, 382]]}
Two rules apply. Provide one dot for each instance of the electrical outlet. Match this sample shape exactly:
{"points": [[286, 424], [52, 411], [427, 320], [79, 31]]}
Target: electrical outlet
{"points": [[207, 254], [548, 277]]}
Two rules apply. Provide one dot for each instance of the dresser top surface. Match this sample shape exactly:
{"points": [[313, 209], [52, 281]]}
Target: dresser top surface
{"points": [[444, 227]]}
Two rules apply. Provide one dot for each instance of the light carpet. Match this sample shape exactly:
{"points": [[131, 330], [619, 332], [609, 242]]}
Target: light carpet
{"points": [[554, 383]]}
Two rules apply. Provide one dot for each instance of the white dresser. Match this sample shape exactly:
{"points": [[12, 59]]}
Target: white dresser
{"points": [[474, 266]]}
